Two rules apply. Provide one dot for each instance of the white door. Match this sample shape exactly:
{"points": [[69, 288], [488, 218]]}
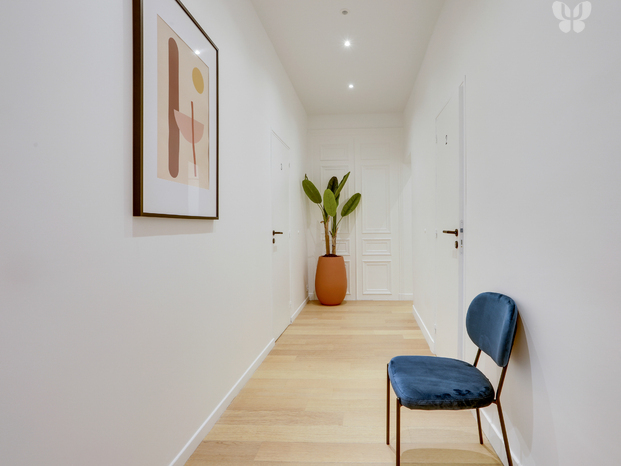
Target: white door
{"points": [[448, 234], [377, 224], [281, 274]]}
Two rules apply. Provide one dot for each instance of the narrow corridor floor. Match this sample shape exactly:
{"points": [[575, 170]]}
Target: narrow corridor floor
{"points": [[319, 398]]}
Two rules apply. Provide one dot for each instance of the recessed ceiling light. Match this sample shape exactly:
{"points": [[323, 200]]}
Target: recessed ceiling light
{"points": [[197, 52], [351, 86], [347, 43], [344, 11]]}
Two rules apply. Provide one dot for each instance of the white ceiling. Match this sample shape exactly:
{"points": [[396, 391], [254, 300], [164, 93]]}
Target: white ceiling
{"points": [[388, 43]]}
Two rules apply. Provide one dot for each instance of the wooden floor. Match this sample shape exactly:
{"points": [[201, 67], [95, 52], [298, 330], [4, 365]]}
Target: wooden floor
{"points": [[319, 398]]}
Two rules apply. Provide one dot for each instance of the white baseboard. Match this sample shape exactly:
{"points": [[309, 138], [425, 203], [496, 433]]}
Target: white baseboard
{"points": [[494, 435], [200, 434], [297, 312], [406, 296], [428, 336]]}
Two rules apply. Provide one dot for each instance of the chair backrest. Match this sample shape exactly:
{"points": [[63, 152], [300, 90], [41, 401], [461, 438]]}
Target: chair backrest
{"points": [[491, 323]]}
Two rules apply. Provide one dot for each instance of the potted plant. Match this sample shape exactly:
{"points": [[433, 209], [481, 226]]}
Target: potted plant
{"points": [[331, 277]]}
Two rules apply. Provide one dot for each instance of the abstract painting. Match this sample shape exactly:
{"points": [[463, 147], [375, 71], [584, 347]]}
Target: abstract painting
{"points": [[175, 114], [183, 111]]}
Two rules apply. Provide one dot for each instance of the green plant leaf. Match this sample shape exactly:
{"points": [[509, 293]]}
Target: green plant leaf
{"points": [[329, 203], [333, 184], [341, 185], [311, 191], [351, 205]]}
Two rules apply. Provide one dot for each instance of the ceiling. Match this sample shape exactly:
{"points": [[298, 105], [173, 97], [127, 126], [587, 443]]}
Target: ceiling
{"points": [[388, 43]]}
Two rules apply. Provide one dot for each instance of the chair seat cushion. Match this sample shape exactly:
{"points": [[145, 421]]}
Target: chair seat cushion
{"points": [[429, 382]]}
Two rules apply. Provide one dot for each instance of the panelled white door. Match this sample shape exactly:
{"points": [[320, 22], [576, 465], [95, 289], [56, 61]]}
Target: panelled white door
{"points": [[368, 239], [448, 229], [281, 268], [377, 224]]}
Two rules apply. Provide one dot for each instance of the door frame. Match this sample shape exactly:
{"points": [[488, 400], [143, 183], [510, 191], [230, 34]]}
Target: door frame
{"points": [[273, 135], [462, 307], [461, 275]]}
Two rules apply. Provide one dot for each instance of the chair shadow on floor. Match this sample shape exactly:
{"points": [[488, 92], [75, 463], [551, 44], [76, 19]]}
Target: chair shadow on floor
{"points": [[447, 456], [432, 446]]}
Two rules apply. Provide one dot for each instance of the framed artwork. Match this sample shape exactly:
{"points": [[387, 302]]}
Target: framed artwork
{"points": [[175, 113]]}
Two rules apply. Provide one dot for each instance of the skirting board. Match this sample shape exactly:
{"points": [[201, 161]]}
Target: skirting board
{"points": [[297, 313], [202, 432], [494, 435], [424, 329], [402, 297]]}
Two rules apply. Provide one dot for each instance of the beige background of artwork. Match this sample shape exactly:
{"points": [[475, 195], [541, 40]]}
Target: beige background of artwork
{"points": [[188, 60]]}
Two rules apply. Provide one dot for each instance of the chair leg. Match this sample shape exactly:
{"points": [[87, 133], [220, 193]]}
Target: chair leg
{"points": [[479, 424], [504, 432], [399, 432], [387, 407]]}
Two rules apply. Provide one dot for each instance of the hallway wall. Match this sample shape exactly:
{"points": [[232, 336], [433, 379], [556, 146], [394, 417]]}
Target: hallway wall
{"points": [[120, 336], [543, 110]]}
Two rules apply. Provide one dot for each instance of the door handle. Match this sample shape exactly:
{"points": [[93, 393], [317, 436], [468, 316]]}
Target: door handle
{"points": [[451, 232], [274, 232]]}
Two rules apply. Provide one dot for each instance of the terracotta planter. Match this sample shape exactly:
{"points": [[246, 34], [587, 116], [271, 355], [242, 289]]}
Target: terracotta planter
{"points": [[331, 280]]}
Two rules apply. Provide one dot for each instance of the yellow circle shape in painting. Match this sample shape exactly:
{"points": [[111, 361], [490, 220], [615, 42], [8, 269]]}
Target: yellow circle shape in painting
{"points": [[197, 78]]}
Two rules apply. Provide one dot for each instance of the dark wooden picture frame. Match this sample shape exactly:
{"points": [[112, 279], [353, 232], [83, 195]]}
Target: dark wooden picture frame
{"points": [[175, 113]]}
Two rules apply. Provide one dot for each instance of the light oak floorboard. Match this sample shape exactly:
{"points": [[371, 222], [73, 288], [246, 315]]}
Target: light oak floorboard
{"points": [[319, 398]]}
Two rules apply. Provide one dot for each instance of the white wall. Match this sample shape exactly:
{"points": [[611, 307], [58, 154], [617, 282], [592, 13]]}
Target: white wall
{"points": [[356, 121], [120, 336], [543, 110]]}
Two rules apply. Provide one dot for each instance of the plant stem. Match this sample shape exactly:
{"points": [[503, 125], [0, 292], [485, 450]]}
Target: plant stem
{"points": [[335, 227], [327, 232]]}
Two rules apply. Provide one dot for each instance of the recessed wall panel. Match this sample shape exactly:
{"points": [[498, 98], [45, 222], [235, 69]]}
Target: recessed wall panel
{"points": [[342, 247], [334, 151], [375, 202], [376, 247], [375, 151], [348, 271], [376, 277]]}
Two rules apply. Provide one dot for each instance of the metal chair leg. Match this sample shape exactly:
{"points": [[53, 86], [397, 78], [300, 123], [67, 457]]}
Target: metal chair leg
{"points": [[479, 424], [387, 407], [504, 432], [399, 432]]}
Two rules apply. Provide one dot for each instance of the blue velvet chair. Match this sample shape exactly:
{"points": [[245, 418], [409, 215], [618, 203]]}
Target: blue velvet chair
{"points": [[429, 382]]}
